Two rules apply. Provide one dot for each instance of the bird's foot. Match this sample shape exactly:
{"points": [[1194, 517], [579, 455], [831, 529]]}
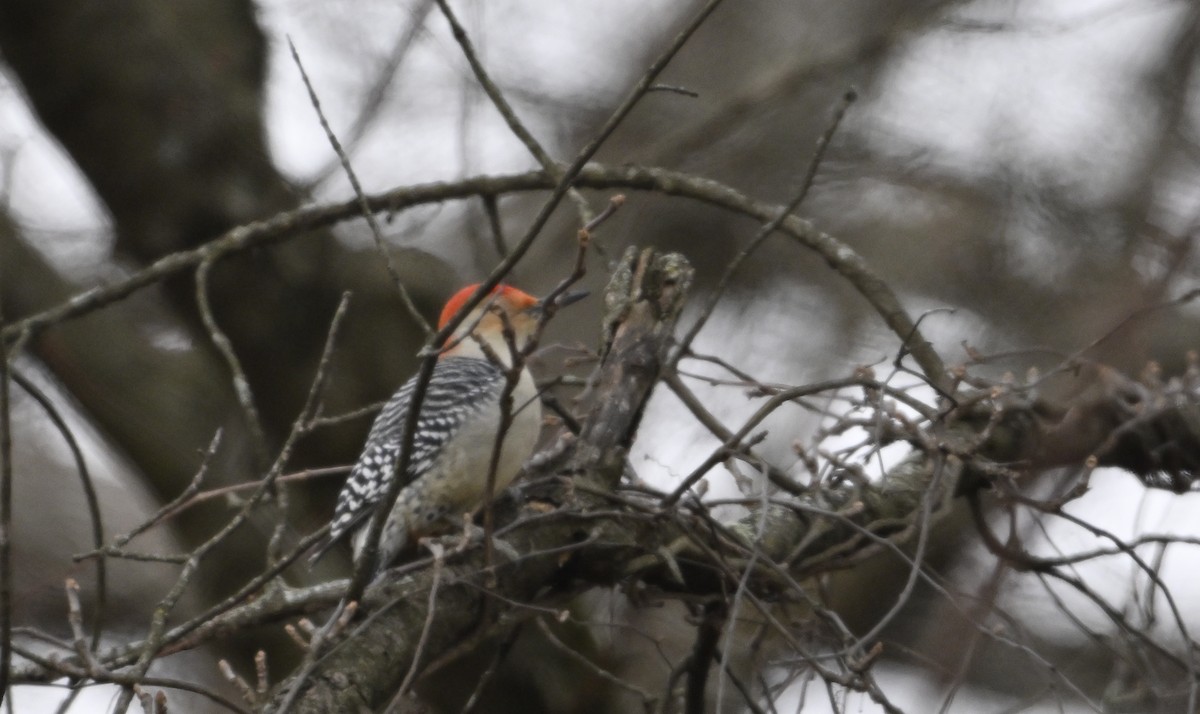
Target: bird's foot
{"points": [[469, 535]]}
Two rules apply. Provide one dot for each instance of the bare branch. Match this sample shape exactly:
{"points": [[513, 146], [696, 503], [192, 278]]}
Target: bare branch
{"points": [[838, 255], [6, 478], [376, 232]]}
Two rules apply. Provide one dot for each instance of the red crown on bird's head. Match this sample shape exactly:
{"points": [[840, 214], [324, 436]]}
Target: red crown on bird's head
{"points": [[517, 299]]}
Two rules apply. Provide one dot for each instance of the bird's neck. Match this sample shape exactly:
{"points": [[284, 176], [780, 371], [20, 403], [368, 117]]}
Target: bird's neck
{"points": [[470, 346]]}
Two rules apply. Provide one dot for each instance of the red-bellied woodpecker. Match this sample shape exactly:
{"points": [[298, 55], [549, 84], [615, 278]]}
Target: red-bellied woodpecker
{"points": [[457, 428]]}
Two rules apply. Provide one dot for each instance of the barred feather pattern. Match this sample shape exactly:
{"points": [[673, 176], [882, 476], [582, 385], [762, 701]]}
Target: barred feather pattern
{"points": [[459, 388]]}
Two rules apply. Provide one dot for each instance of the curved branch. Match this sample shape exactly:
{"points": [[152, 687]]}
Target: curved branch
{"points": [[291, 224]]}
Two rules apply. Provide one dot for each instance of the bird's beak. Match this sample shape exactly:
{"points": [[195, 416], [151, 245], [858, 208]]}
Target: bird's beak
{"points": [[569, 297], [563, 300]]}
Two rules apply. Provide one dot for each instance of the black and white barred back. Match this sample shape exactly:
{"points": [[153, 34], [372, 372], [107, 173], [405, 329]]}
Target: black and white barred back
{"points": [[459, 387]]}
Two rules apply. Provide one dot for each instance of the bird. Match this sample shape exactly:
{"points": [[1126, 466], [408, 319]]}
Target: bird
{"points": [[456, 431]]}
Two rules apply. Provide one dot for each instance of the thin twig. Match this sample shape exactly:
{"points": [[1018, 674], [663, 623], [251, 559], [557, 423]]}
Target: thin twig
{"points": [[492, 211], [431, 610], [924, 525], [64, 706], [502, 650], [196, 499], [673, 89], [237, 681], [6, 477], [190, 633], [765, 232], [378, 92], [738, 684], [512, 376], [75, 620], [110, 551], [736, 439], [1189, 296], [364, 207], [89, 495], [313, 653], [507, 112], [192, 488], [719, 430], [127, 679], [728, 618], [241, 384], [577, 657], [262, 674], [519, 356]]}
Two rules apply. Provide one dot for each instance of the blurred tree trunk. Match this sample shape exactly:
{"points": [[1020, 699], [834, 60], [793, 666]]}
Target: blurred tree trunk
{"points": [[160, 106]]}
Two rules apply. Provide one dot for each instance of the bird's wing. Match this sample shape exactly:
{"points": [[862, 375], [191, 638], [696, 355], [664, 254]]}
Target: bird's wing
{"points": [[458, 388]]}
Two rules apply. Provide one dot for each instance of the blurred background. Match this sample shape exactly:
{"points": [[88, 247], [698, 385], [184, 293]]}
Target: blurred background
{"points": [[1031, 165]]}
